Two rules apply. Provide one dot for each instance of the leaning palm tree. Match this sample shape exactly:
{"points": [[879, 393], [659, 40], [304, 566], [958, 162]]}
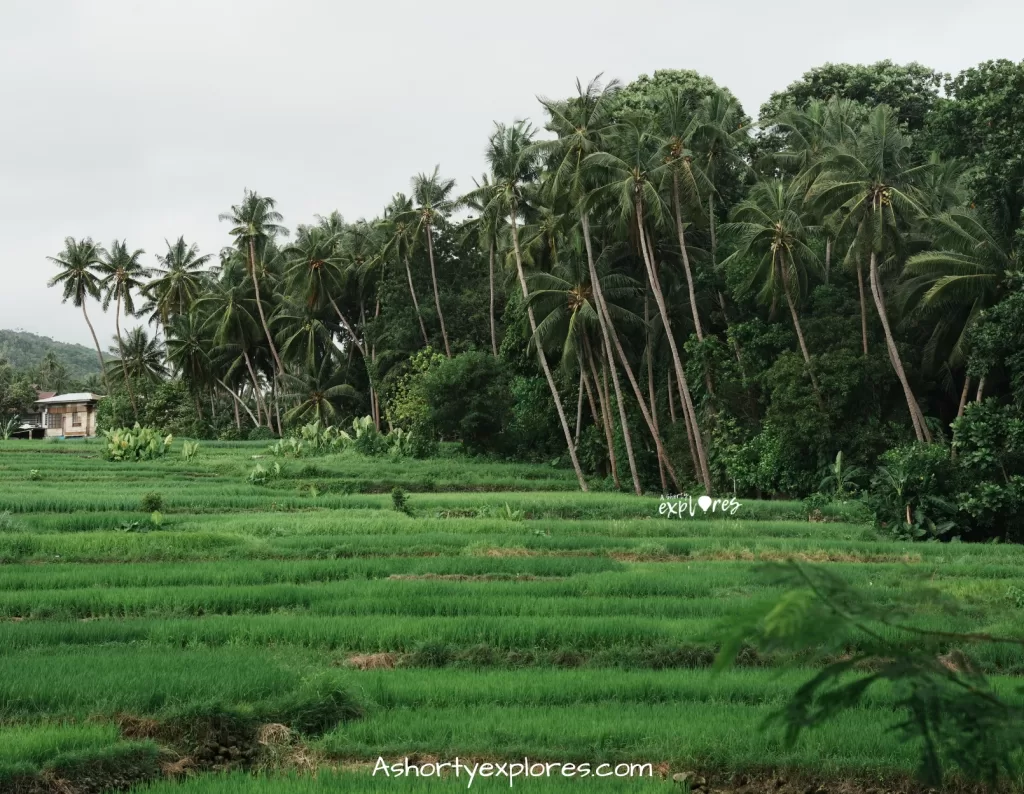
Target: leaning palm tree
{"points": [[123, 275], [254, 223], [873, 187], [770, 225], [188, 343], [433, 197], [178, 280], [965, 275], [79, 263], [515, 164], [630, 170]]}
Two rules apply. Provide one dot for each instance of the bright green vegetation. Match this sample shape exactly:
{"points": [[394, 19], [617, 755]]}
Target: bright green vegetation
{"points": [[510, 618]]}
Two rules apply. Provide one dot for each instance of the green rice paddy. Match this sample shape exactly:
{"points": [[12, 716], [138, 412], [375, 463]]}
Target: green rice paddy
{"points": [[506, 616]]}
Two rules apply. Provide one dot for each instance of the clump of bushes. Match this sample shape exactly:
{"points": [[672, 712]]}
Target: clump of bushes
{"points": [[152, 502], [261, 433], [135, 443]]}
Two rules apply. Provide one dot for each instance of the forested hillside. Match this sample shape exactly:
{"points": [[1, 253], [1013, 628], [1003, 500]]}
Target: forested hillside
{"points": [[25, 351]]}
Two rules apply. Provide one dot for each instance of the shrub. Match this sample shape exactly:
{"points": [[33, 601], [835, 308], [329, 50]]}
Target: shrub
{"points": [[910, 493], [135, 443], [152, 502], [230, 434], [35, 474], [261, 475], [399, 500], [189, 450], [261, 433]]}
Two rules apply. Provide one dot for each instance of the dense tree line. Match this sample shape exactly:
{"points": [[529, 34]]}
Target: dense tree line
{"points": [[650, 287]]}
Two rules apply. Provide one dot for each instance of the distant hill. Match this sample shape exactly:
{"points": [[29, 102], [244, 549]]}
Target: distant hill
{"points": [[25, 350]]}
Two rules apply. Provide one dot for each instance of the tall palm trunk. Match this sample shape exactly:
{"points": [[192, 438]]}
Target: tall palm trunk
{"points": [[238, 401], [668, 391], [124, 364], [540, 354], [659, 298], [654, 399], [981, 389], [367, 358], [828, 258], [920, 428], [579, 411], [627, 436], [95, 341], [799, 332], [257, 392], [610, 336], [259, 305], [494, 332], [606, 422], [863, 309], [437, 295], [686, 258], [415, 302], [960, 412]]}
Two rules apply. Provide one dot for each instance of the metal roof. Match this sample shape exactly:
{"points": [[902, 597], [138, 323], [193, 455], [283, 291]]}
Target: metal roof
{"points": [[74, 397]]}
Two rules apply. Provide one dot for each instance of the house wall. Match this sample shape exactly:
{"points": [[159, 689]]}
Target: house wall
{"points": [[68, 428]]}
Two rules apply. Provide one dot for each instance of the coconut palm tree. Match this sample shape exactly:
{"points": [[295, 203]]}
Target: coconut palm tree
{"points": [[254, 223], [141, 357], [515, 165], [770, 224], [79, 262], [630, 170], [123, 275], [433, 199], [318, 392], [953, 284], [188, 344], [873, 186], [178, 280], [486, 226], [399, 236]]}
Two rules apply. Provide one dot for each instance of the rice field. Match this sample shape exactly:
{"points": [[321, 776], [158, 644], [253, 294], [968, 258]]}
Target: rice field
{"points": [[249, 635]]}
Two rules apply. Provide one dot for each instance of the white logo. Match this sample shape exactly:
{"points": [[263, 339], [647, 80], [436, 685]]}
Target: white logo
{"points": [[680, 505]]}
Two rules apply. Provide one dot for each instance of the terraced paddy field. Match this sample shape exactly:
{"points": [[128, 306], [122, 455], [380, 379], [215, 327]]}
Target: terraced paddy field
{"points": [[253, 634]]}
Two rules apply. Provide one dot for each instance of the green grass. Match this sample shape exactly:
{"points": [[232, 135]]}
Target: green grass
{"points": [[524, 617]]}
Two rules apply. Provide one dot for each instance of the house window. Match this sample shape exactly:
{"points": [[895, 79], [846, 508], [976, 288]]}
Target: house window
{"points": [[54, 421], [75, 419]]}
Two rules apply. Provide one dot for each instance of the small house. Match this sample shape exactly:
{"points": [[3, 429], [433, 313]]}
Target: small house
{"points": [[62, 416]]}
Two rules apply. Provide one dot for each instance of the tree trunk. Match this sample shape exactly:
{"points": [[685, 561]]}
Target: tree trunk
{"points": [[960, 412], [124, 364], [828, 258], [494, 331], [705, 473], [981, 389], [238, 416], [686, 259], [668, 391], [963, 396], [437, 295], [257, 392], [277, 405], [654, 402], [606, 422], [540, 352], [99, 353], [259, 305], [799, 333], [863, 309], [238, 401], [416, 303], [920, 430], [610, 336], [627, 436], [579, 411]]}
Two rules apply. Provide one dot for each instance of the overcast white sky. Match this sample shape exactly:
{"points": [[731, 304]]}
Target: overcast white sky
{"points": [[145, 119]]}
